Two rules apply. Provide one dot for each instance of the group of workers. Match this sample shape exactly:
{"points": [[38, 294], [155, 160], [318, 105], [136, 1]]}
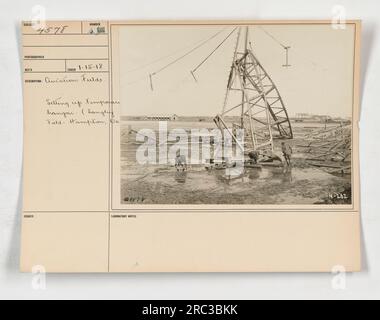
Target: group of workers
{"points": [[287, 151]]}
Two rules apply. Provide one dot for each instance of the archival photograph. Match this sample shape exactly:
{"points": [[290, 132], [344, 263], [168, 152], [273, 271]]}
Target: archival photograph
{"points": [[236, 114]]}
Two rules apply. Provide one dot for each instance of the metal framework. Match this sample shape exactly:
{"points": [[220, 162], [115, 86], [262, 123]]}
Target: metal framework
{"points": [[262, 112]]}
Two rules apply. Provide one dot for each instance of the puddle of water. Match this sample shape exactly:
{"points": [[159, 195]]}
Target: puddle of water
{"points": [[266, 185]]}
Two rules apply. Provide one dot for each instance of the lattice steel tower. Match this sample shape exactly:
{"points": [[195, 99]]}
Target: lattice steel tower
{"points": [[261, 110]]}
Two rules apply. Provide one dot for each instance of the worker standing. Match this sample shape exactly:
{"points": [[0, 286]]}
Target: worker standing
{"points": [[287, 152]]}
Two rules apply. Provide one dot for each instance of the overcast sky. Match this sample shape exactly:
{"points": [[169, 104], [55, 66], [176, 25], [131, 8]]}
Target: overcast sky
{"points": [[319, 81]]}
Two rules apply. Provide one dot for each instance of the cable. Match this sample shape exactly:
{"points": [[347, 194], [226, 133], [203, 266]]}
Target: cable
{"points": [[187, 53], [231, 75], [212, 52], [281, 44], [150, 76], [273, 38], [143, 66]]}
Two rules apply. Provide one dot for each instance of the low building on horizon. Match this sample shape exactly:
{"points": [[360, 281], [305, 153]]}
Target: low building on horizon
{"points": [[162, 117]]}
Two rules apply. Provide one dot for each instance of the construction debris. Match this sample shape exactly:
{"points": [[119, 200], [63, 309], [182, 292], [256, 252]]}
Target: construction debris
{"points": [[329, 149]]}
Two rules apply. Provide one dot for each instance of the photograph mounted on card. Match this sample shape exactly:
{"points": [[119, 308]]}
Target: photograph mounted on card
{"points": [[191, 146]]}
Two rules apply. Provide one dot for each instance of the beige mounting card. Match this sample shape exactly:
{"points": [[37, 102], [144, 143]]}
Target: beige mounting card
{"points": [[191, 146]]}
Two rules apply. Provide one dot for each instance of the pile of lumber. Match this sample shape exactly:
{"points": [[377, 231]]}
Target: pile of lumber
{"points": [[329, 149]]}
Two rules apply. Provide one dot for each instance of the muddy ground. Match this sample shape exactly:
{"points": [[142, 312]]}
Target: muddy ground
{"points": [[299, 184]]}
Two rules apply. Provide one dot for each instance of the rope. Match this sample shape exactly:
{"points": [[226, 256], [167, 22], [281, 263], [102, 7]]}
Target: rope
{"points": [[143, 66], [150, 76], [187, 53], [231, 72], [212, 52], [273, 38]]}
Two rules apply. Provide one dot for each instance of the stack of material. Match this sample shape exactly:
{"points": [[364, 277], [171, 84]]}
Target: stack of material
{"points": [[330, 149]]}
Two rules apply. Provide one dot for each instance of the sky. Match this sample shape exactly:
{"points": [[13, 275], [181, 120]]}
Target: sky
{"points": [[319, 81]]}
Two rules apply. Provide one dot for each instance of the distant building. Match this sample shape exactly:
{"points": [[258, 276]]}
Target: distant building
{"points": [[172, 117], [324, 118], [306, 117], [301, 117]]}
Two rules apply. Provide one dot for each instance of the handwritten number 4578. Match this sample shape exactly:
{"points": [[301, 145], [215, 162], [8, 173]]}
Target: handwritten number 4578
{"points": [[52, 30]]}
